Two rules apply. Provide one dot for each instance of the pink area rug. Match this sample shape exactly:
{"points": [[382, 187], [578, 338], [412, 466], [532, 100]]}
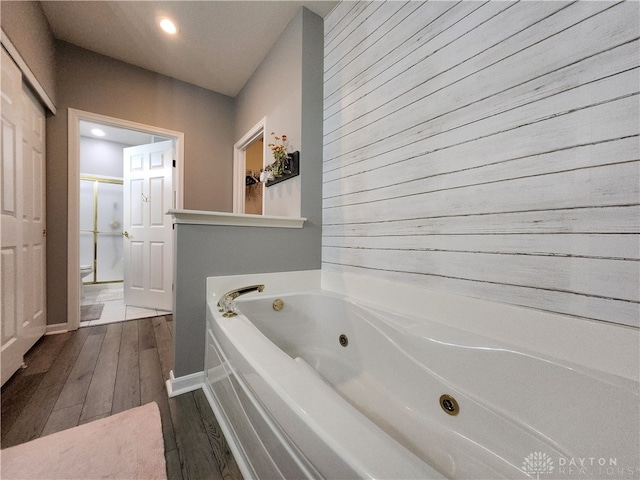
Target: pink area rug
{"points": [[127, 445]]}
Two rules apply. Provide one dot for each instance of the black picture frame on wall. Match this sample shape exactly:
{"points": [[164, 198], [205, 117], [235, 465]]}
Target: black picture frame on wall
{"points": [[293, 168]]}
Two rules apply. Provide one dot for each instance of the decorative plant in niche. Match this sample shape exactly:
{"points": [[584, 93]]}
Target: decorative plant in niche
{"points": [[279, 151]]}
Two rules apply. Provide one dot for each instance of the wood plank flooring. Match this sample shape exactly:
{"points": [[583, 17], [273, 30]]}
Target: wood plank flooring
{"points": [[76, 377]]}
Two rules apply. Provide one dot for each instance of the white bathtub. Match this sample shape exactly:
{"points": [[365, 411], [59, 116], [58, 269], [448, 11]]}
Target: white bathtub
{"points": [[296, 403]]}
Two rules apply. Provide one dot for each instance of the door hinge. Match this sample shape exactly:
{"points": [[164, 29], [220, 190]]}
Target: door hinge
{"points": [[174, 164], [44, 232]]}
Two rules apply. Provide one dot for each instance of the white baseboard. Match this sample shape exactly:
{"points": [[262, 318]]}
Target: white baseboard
{"points": [[184, 384], [57, 328]]}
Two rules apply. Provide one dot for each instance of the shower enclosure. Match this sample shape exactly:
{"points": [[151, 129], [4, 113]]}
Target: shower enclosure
{"points": [[101, 242]]}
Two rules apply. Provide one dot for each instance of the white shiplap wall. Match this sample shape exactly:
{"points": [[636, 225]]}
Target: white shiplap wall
{"points": [[487, 149]]}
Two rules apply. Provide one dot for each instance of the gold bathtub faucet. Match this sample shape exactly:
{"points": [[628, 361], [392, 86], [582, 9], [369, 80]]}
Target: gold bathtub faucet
{"points": [[226, 304]]}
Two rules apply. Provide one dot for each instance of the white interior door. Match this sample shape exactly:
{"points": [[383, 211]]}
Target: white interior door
{"points": [[22, 263], [148, 251]]}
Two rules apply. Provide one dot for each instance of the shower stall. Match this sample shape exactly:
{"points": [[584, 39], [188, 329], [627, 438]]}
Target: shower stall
{"points": [[101, 241]]}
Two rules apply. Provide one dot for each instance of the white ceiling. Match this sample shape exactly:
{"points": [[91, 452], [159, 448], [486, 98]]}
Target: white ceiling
{"points": [[218, 47], [118, 135]]}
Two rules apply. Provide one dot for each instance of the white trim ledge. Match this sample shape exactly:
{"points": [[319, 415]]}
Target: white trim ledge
{"points": [[184, 384], [201, 217]]}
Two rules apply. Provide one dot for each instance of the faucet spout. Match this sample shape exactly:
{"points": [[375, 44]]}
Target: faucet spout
{"points": [[226, 304]]}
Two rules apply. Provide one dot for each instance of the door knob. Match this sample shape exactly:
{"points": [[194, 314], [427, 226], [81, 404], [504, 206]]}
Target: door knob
{"points": [[126, 234]]}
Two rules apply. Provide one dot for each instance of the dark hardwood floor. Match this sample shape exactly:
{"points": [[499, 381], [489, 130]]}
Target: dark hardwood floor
{"points": [[76, 377]]}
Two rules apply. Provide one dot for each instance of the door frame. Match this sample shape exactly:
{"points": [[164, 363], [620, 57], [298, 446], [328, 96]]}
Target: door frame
{"points": [[73, 186], [240, 163]]}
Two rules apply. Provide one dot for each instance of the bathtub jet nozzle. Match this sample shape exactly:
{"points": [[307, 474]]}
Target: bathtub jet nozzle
{"points": [[228, 306]]}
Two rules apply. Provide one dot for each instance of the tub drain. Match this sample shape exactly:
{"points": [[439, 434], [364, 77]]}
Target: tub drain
{"points": [[344, 341], [449, 404]]}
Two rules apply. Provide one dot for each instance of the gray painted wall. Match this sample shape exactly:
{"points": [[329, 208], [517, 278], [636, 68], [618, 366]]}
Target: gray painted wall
{"points": [[95, 83], [101, 157], [274, 91], [28, 29], [203, 251], [487, 149]]}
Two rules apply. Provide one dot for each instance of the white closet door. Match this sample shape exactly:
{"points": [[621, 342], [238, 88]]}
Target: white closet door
{"points": [[22, 259], [33, 218], [11, 277]]}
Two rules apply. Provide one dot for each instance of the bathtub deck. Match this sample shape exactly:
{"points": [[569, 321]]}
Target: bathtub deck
{"points": [[73, 378]]}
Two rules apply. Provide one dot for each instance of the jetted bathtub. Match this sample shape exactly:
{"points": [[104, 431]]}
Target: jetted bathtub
{"points": [[328, 388]]}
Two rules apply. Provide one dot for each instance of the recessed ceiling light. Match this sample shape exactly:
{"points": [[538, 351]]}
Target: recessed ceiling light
{"points": [[97, 132], [168, 26]]}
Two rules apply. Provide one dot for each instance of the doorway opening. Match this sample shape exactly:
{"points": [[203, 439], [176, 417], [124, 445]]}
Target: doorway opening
{"points": [[254, 188], [248, 161], [121, 185]]}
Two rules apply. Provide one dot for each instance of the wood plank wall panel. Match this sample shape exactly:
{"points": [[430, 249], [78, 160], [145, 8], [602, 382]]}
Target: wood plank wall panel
{"points": [[489, 149]]}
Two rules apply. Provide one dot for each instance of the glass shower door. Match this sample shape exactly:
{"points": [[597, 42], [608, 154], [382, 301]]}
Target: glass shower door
{"points": [[109, 243], [101, 243], [87, 227]]}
